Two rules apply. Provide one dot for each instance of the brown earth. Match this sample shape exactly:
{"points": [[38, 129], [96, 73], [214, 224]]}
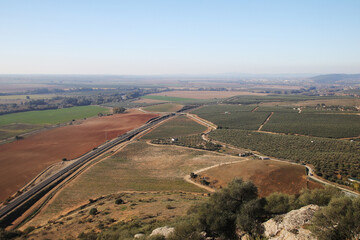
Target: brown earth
{"points": [[205, 94], [22, 160], [269, 176]]}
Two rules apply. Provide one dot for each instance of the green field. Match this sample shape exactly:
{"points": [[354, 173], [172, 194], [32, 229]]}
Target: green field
{"points": [[51, 116], [233, 116], [180, 126], [315, 124], [329, 156], [170, 99], [165, 107], [19, 123]]}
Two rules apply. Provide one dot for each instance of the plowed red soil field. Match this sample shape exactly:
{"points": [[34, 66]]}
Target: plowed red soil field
{"points": [[22, 160], [269, 176]]}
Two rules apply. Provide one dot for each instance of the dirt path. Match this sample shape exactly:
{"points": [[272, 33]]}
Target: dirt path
{"points": [[255, 109], [188, 178], [267, 119]]}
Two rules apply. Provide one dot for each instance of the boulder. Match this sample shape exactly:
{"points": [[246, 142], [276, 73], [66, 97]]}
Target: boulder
{"points": [[164, 231], [290, 225], [139, 235]]}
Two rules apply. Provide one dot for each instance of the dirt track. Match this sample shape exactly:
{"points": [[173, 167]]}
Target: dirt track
{"points": [[21, 161]]}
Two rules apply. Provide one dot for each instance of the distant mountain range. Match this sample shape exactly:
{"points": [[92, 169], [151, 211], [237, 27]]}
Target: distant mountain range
{"points": [[337, 78]]}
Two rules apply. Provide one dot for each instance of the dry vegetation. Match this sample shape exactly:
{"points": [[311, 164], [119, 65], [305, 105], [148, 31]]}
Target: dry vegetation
{"points": [[143, 206], [139, 167]]}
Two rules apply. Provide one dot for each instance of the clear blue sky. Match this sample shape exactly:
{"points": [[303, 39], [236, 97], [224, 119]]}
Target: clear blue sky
{"points": [[169, 37]]}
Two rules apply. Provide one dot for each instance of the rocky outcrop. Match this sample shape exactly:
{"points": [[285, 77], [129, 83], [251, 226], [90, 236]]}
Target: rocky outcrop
{"points": [[139, 235], [289, 226], [164, 231]]}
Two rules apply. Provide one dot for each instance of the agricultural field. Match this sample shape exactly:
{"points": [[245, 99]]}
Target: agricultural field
{"points": [[233, 116], [192, 141], [315, 124], [138, 167], [279, 99], [18, 123], [176, 127], [148, 101], [333, 159], [205, 94], [23, 159], [268, 175], [165, 107], [52, 116], [168, 99]]}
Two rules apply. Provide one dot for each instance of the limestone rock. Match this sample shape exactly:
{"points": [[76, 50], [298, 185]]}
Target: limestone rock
{"points": [[290, 225], [164, 231], [139, 235]]}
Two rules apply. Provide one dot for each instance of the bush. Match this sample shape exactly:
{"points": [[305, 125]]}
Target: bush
{"points": [[187, 229], [29, 229], [87, 236], [9, 234], [119, 201], [218, 216], [93, 211], [320, 197], [277, 203], [339, 220]]}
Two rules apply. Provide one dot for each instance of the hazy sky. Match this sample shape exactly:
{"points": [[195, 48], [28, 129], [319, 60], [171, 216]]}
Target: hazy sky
{"points": [[168, 37]]}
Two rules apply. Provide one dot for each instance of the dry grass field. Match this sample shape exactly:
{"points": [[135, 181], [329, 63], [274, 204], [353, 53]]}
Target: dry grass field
{"points": [[143, 206], [22, 160], [269, 176], [138, 167], [205, 94]]}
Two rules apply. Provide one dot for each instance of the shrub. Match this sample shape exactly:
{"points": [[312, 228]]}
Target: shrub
{"points": [[119, 201], [339, 220], [29, 229], [219, 215], [277, 203], [87, 236], [93, 211], [187, 229]]}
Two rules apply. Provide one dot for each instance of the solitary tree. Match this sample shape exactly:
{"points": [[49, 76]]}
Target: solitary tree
{"points": [[119, 110]]}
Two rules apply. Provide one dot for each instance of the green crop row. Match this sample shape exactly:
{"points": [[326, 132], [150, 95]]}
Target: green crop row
{"points": [[233, 116], [333, 159], [315, 124]]}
